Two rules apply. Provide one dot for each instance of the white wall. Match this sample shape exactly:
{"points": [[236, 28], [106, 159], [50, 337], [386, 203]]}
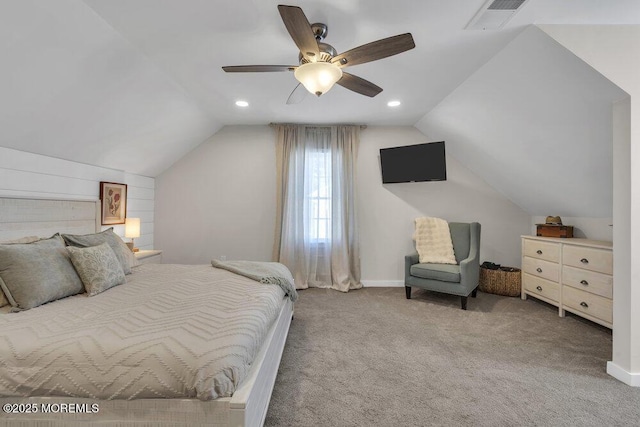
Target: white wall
{"points": [[387, 212], [625, 334], [612, 51], [37, 176], [74, 88], [220, 200], [535, 123], [588, 228]]}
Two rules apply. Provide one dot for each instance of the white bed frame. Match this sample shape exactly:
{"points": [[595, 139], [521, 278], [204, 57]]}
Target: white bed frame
{"points": [[246, 408]]}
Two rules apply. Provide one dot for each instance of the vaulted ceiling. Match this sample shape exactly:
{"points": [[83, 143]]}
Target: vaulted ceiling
{"points": [[134, 85], [535, 122]]}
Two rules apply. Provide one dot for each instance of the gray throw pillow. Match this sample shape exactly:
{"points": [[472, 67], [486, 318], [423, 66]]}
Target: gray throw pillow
{"points": [[35, 273], [123, 253], [26, 239], [29, 239], [98, 267]]}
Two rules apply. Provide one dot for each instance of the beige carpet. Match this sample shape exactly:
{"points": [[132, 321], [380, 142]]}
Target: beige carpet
{"points": [[373, 358]]}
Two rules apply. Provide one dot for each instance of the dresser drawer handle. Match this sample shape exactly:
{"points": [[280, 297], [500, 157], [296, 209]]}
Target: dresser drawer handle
{"points": [[539, 270], [539, 252], [584, 304], [584, 282], [584, 261], [539, 288]]}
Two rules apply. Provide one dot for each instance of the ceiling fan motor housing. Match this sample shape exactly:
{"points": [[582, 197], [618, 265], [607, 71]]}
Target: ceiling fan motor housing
{"points": [[326, 51]]}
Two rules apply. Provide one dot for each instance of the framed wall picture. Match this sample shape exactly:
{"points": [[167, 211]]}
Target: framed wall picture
{"points": [[113, 198]]}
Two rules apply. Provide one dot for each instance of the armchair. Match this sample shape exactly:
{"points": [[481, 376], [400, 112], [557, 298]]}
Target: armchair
{"points": [[461, 279]]}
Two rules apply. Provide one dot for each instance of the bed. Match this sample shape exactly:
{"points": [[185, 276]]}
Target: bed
{"points": [[128, 351]]}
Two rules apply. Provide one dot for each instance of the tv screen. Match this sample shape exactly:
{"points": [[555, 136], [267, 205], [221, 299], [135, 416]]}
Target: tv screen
{"points": [[413, 163]]}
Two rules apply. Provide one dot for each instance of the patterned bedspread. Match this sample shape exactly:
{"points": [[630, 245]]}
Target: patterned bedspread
{"points": [[172, 331]]}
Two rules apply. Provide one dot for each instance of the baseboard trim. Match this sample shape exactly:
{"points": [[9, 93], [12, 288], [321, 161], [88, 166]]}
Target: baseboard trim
{"points": [[383, 283], [618, 373]]}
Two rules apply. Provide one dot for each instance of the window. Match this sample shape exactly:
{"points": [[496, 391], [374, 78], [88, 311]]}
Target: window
{"points": [[318, 234], [318, 194]]}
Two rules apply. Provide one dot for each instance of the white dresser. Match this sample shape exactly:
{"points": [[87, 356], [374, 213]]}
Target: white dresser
{"points": [[574, 274]]}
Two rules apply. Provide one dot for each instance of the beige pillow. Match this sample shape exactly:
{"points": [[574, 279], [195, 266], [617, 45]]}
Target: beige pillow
{"points": [[98, 267], [36, 273]]}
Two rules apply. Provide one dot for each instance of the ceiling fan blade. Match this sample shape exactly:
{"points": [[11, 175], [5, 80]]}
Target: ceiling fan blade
{"points": [[375, 50], [300, 30], [359, 85], [257, 68], [297, 95]]}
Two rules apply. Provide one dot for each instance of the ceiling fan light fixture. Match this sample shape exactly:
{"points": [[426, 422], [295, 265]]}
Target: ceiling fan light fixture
{"points": [[320, 66], [318, 77]]}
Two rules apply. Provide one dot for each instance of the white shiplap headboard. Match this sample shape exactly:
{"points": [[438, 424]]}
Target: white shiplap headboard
{"points": [[43, 218]]}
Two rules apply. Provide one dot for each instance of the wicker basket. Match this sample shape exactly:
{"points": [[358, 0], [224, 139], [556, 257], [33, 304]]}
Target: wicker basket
{"points": [[504, 281]]}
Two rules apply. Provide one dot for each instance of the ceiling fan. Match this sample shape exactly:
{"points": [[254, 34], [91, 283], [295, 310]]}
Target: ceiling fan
{"points": [[320, 66]]}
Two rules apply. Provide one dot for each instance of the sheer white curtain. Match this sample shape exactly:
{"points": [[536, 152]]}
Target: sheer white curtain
{"points": [[316, 232]]}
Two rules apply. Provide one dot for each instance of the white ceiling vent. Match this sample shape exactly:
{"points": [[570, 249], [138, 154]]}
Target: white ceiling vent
{"points": [[494, 14]]}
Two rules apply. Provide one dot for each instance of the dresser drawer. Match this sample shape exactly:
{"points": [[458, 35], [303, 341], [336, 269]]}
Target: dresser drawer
{"points": [[538, 286], [545, 269], [590, 281], [587, 303], [600, 260], [542, 250]]}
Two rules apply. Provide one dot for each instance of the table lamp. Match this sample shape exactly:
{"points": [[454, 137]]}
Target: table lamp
{"points": [[131, 231]]}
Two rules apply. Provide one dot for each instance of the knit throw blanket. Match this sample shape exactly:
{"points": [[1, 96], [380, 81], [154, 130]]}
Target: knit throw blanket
{"points": [[433, 241], [264, 272]]}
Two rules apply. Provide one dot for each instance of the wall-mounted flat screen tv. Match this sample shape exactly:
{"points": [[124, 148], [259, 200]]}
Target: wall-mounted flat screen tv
{"points": [[413, 163]]}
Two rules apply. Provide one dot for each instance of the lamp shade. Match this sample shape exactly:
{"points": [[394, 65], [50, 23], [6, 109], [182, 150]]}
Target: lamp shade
{"points": [[132, 228], [318, 77]]}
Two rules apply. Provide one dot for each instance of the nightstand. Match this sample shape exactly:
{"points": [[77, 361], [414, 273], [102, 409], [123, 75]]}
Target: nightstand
{"points": [[149, 257]]}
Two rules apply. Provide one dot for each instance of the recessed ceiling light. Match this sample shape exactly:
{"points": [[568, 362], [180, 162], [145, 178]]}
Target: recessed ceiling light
{"points": [[242, 103], [393, 103]]}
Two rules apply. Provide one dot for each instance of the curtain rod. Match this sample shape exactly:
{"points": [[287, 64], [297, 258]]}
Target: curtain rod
{"points": [[315, 125]]}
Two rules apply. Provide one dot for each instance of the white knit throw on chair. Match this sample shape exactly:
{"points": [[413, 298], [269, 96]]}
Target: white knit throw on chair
{"points": [[433, 241]]}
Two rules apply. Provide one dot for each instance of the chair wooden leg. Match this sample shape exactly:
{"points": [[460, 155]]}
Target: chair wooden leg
{"points": [[407, 290], [464, 302], [474, 293]]}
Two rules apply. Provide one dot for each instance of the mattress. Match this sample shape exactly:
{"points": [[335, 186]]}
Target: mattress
{"points": [[172, 331]]}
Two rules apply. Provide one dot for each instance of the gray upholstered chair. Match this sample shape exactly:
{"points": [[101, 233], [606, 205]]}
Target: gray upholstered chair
{"points": [[460, 279]]}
